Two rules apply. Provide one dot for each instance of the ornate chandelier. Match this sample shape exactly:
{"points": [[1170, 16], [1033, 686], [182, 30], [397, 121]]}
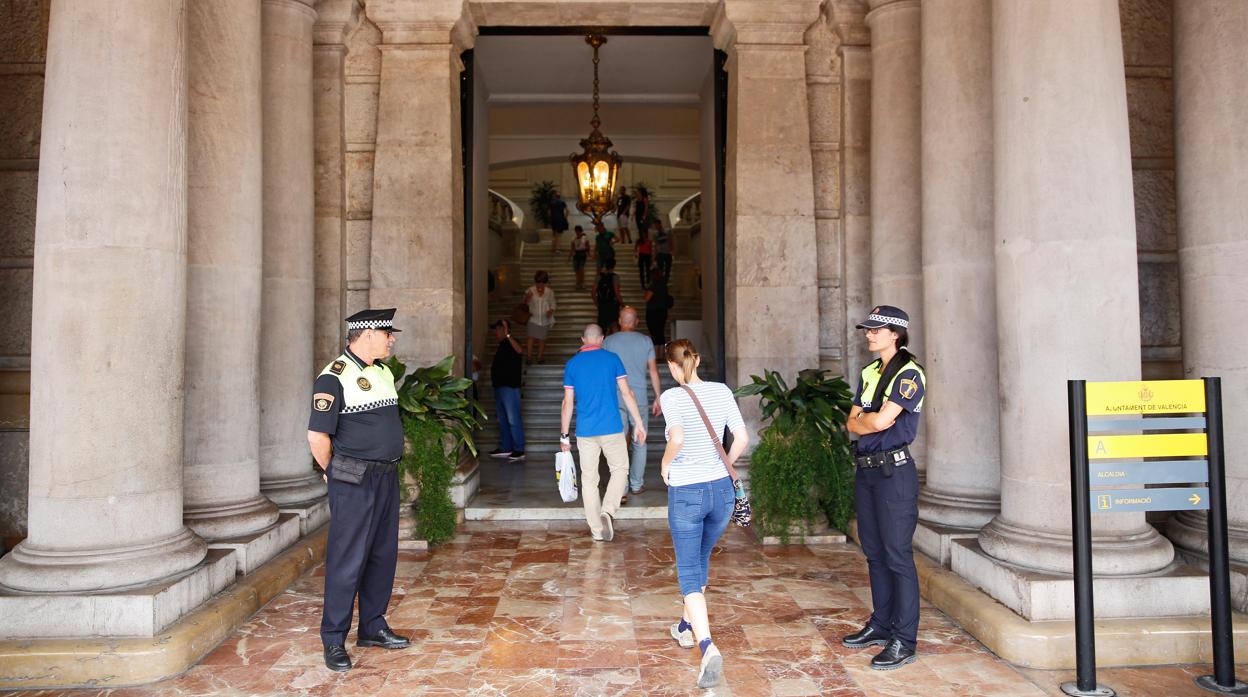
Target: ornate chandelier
{"points": [[597, 165]]}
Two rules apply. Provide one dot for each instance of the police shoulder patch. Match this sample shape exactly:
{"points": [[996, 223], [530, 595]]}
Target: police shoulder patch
{"points": [[908, 388], [322, 401], [338, 367]]}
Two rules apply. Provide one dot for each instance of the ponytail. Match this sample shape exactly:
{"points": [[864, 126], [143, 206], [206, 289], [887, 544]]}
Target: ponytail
{"points": [[900, 359], [682, 353]]}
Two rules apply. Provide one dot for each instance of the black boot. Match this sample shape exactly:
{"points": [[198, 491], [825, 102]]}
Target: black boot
{"points": [[867, 636], [336, 658], [894, 655]]}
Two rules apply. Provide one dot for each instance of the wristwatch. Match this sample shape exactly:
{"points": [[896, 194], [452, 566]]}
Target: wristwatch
{"points": [[565, 438]]}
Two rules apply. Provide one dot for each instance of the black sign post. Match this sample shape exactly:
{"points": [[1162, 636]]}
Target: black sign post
{"points": [[1085, 684], [1223, 679]]}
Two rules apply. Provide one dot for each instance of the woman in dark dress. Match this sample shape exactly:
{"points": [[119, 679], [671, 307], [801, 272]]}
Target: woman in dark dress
{"points": [[658, 302]]}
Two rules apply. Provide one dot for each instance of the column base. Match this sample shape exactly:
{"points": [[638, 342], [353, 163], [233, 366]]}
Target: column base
{"points": [[936, 541], [466, 482], [1118, 554], [234, 519], [32, 570], [289, 490], [253, 550], [137, 612], [950, 510], [1177, 590], [1192, 544], [312, 514]]}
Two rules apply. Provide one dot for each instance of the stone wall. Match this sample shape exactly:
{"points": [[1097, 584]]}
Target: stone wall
{"points": [[23, 40], [1147, 52]]}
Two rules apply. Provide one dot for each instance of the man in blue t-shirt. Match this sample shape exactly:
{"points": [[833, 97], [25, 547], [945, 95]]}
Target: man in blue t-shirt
{"points": [[590, 383]]}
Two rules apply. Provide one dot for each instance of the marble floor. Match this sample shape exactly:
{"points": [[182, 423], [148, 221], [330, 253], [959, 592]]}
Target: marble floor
{"points": [[536, 608]]}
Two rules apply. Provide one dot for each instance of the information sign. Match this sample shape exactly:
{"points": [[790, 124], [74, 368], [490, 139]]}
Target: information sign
{"points": [[1148, 397], [1132, 500], [1148, 445], [1154, 472]]}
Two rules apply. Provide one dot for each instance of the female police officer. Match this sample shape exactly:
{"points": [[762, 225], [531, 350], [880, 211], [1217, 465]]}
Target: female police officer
{"points": [[885, 417]]}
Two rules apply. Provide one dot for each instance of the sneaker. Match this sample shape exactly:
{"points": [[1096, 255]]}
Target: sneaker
{"points": [[499, 452], [517, 455], [685, 638], [638, 490], [608, 531], [712, 670], [624, 499]]}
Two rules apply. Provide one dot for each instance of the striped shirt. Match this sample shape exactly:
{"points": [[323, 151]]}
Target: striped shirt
{"points": [[698, 460]]}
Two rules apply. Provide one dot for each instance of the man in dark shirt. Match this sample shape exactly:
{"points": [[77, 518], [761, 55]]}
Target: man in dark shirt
{"points": [[505, 374], [356, 434], [558, 221]]}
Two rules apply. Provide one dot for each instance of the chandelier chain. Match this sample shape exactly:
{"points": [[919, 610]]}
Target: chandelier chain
{"points": [[595, 122]]}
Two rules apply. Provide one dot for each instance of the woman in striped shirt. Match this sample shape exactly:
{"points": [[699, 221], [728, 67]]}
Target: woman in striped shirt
{"points": [[700, 493]]}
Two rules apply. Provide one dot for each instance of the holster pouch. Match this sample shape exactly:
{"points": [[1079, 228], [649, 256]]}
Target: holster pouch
{"points": [[349, 470], [886, 469]]}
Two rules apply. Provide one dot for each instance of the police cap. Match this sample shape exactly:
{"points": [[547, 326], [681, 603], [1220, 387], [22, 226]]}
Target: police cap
{"points": [[885, 315], [373, 319]]}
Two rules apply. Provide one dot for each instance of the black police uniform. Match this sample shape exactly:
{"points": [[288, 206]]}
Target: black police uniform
{"points": [[886, 489], [355, 404]]}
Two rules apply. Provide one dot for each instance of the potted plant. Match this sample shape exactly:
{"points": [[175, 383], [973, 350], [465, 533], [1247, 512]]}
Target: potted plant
{"points": [[802, 468], [438, 420]]}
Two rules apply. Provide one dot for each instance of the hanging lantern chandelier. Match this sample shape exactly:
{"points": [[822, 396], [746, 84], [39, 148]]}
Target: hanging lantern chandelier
{"points": [[597, 165]]}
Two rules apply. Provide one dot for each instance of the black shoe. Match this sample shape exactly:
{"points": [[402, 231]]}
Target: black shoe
{"points": [[386, 639], [517, 455], [499, 452], [894, 655], [336, 658], [867, 636]]}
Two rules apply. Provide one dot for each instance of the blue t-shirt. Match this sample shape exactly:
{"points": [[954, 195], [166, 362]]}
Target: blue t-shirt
{"points": [[907, 391], [593, 374]]}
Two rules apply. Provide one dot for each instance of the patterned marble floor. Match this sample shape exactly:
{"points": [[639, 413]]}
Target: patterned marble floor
{"points": [[537, 609]]}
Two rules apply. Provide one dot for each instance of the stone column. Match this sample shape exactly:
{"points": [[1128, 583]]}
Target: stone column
{"points": [[287, 317], [417, 260], [855, 50], [960, 415], [772, 285], [109, 304], [1211, 98], [896, 198], [222, 419], [1063, 206]]}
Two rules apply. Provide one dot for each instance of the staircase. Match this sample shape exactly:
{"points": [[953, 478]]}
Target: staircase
{"points": [[526, 489]]}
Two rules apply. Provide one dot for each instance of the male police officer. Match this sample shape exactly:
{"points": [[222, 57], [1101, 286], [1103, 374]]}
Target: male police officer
{"points": [[356, 434]]}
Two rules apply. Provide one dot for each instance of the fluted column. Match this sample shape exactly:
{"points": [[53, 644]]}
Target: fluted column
{"points": [[963, 444], [896, 198], [109, 304], [287, 318], [1067, 304], [222, 419], [1211, 99]]}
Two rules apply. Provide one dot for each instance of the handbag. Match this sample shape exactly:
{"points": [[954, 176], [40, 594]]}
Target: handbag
{"points": [[520, 315], [565, 476], [741, 512]]}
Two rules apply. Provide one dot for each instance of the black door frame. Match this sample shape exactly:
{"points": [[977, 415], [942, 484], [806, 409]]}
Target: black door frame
{"points": [[719, 88]]}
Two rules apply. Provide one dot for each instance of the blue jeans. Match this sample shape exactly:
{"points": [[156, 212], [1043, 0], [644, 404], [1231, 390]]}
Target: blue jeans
{"points": [[888, 510], [510, 423], [697, 515], [637, 454]]}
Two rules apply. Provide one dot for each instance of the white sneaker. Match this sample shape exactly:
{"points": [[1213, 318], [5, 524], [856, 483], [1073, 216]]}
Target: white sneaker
{"points": [[608, 532], [685, 638], [712, 668]]}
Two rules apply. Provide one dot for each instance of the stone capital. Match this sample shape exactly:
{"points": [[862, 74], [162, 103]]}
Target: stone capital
{"points": [[848, 18], [424, 22], [333, 19], [775, 22]]}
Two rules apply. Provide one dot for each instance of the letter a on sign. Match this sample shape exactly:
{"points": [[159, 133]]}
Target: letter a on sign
{"points": [[1100, 448]]}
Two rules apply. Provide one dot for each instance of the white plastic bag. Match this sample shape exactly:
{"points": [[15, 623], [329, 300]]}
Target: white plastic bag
{"points": [[565, 475]]}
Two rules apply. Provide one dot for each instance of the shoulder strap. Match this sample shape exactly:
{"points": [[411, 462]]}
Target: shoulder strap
{"points": [[732, 472]]}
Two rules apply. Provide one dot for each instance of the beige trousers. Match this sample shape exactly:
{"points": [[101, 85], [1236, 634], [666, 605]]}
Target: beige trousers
{"points": [[615, 447]]}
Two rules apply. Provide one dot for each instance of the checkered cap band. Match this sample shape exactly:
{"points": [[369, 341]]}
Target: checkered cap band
{"points": [[889, 320], [370, 406], [372, 324]]}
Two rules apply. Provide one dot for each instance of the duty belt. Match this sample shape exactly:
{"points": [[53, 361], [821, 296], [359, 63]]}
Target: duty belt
{"points": [[381, 465], [870, 460]]}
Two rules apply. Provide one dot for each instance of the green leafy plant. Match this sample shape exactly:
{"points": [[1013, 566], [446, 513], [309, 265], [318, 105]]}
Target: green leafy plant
{"points": [[803, 464], [438, 420], [539, 203]]}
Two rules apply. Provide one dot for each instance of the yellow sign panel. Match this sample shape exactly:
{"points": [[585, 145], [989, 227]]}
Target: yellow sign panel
{"points": [[1148, 397], [1153, 445]]}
